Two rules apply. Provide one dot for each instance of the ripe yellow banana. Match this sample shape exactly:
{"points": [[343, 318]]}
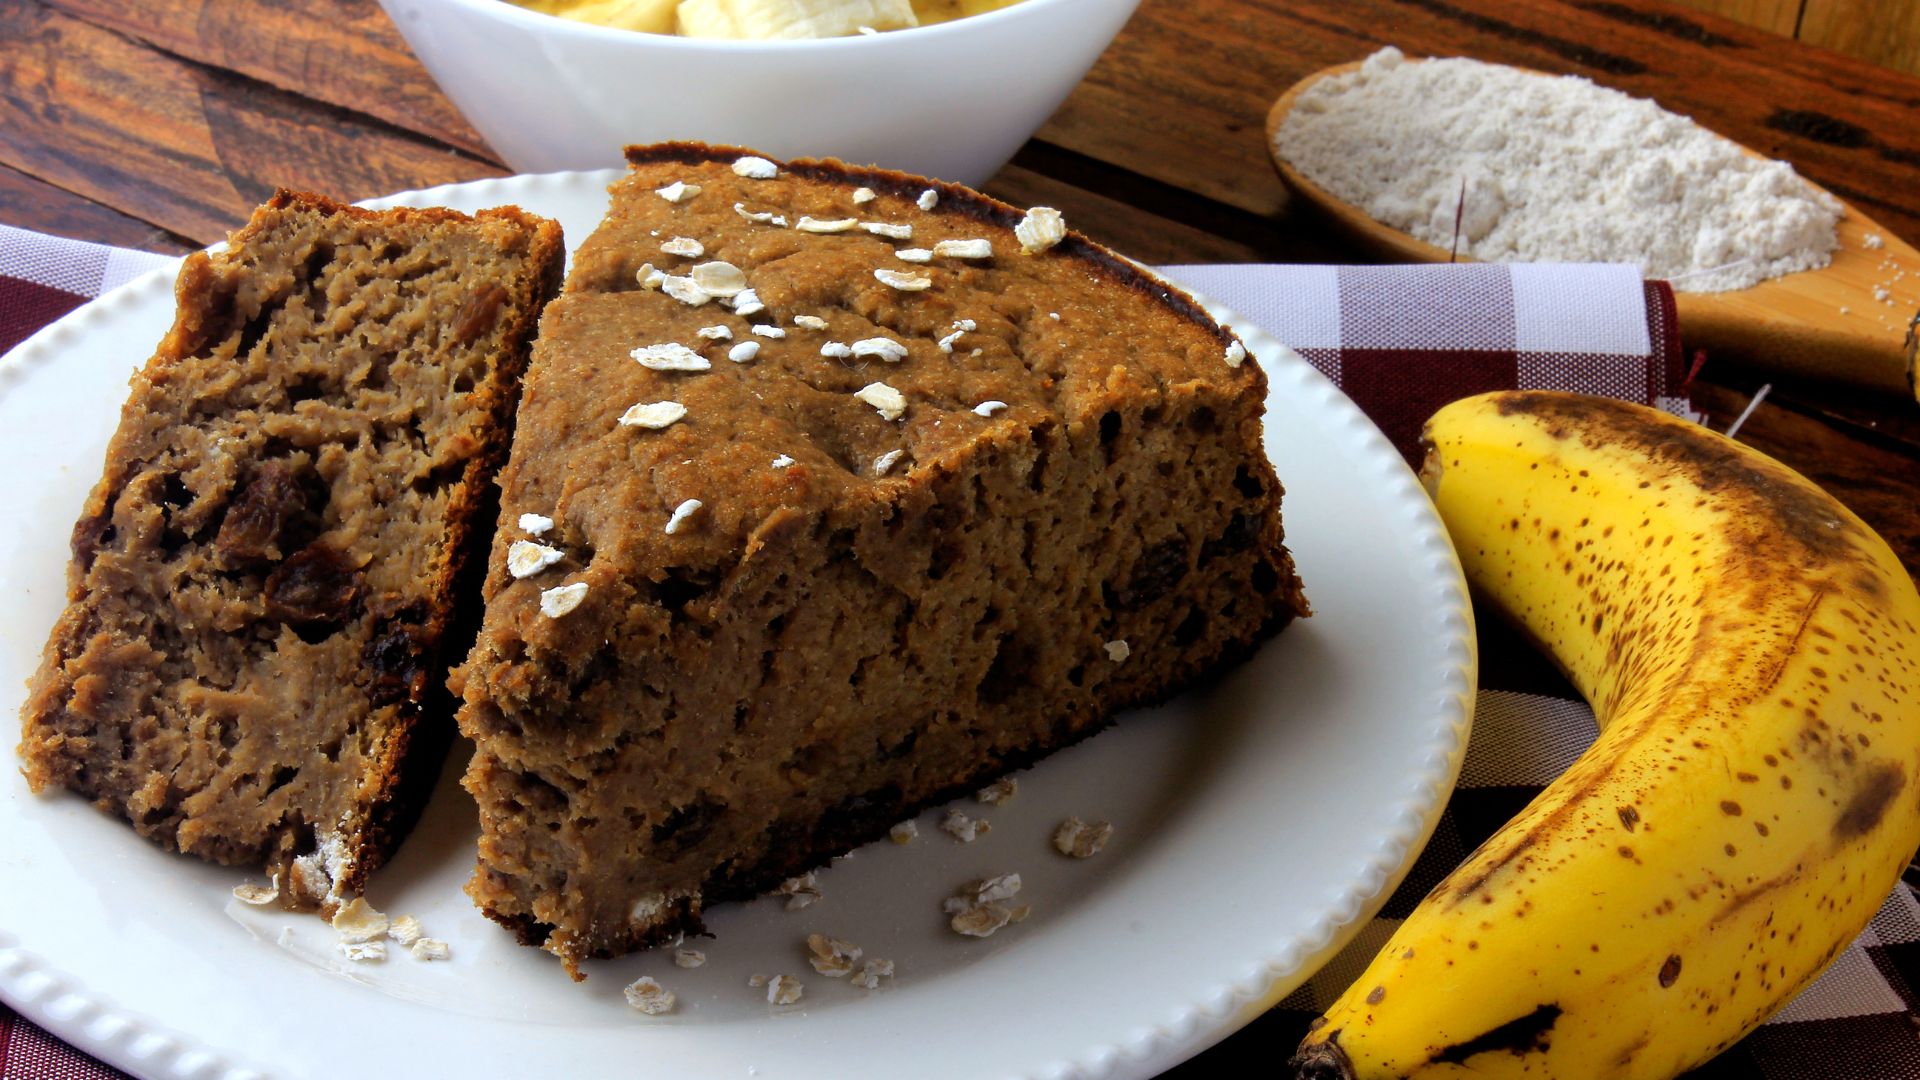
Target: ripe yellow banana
{"points": [[768, 19], [1752, 652]]}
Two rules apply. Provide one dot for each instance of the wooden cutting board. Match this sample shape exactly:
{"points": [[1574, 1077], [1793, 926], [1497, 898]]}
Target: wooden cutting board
{"points": [[1854, 320]]}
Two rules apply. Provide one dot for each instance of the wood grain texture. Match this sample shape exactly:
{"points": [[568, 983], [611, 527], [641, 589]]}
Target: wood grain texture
{"points": [[62, 213], [189, 148], [340, 52], [1777, 16], [1878, 31]]}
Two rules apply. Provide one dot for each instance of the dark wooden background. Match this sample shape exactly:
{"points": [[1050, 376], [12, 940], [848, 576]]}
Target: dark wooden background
{"points": [[160, 124]]}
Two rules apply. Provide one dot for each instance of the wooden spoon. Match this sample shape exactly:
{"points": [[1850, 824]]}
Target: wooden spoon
{"points": [[1825, 323]]}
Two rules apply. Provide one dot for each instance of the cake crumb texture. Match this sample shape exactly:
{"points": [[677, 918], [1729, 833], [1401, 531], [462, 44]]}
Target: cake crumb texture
{"points": [[260, 587], [826, 649]]}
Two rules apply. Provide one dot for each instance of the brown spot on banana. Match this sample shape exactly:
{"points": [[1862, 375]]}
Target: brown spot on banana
{"points": [[1880, 785], [1322, 1060], [1521, 1036], [1803, 513], [1670, 971]]}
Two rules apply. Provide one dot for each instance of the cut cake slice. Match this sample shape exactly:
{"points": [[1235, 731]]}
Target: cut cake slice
{"points": [[263, 577], [940, 492]]}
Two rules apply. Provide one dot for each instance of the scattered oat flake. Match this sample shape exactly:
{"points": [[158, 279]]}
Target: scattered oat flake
{"points": [[648, 996], [810, 322], [1873, 241], [980, 908], [768, 331], [688, 958], [755, 168], [928, 199], [905, 282], [999, 792], [716, 333], [678, 191], [888, 229], [1081, 839], [1054, 315], [535, 524], [891, 403], [684, 289], [800, 891], [681, 513], [904, 832], [1236, 353], [428, 949], [913, 255], [831, 956], [837, 349], [886, 461], [872, 972], [963, 828], [671, 356], [981, 921], [747, 302], [964, 249], [653, 416], [562, 599], [257, 895], [998, 887], [405, 930], [720, 278], [648, 277], [356, 921], [364, 951], [744, 352], [756, 980], [988, 408], [885, 348], [526, 558], [764, 217], [782, 461], [817, 225], [1042, 228], [862, 196], [685, 246], [784, 990], [1117, 650]]}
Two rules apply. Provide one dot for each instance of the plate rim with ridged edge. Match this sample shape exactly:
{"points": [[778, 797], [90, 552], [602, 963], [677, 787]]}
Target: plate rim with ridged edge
{"points": [[1260, 820]]}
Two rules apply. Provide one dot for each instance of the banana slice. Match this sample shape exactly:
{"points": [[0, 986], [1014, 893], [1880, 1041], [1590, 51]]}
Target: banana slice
{"points": [[774, 19], [939, 11], [647, 16]]}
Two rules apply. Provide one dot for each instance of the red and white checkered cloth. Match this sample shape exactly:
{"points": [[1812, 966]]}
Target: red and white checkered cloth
{"points": [[1401, 341]]}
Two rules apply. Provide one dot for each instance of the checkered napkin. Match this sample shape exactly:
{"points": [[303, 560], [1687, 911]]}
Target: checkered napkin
{"points": [[1401, 341]]}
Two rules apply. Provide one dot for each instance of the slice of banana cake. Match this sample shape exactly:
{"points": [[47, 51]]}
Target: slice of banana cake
{"points": [[837, 492], [263, 578]]}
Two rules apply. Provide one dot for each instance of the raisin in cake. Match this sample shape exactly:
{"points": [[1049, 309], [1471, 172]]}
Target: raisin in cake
{"points": [[836, 492], [262, 579]]}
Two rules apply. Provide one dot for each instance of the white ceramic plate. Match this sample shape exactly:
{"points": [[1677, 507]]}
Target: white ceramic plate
{"points": [[1259, 821]]}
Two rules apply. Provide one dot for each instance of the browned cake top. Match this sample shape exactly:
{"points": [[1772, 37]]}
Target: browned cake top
{"points": [[872, 383]]}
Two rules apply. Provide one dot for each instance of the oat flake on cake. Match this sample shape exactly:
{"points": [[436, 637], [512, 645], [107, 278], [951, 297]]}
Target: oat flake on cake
{"points": [[1553, 169]]}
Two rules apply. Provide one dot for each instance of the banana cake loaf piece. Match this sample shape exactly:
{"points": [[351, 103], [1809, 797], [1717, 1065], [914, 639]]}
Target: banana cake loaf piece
{"points": [[836, 492], [263, 577]]}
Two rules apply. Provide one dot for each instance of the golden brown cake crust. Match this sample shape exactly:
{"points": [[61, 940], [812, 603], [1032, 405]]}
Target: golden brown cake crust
{"points": [[872, 608], [249, 667]]}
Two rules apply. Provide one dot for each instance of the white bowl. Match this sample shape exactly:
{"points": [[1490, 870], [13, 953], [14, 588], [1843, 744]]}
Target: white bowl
{"points": [[952, 100]]}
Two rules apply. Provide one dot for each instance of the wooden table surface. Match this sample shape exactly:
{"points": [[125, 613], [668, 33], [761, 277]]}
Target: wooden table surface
{"points": [[160, 124]]}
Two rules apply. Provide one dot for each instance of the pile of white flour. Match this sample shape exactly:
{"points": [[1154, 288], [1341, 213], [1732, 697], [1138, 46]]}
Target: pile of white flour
{"points": [[1555, 169]]}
